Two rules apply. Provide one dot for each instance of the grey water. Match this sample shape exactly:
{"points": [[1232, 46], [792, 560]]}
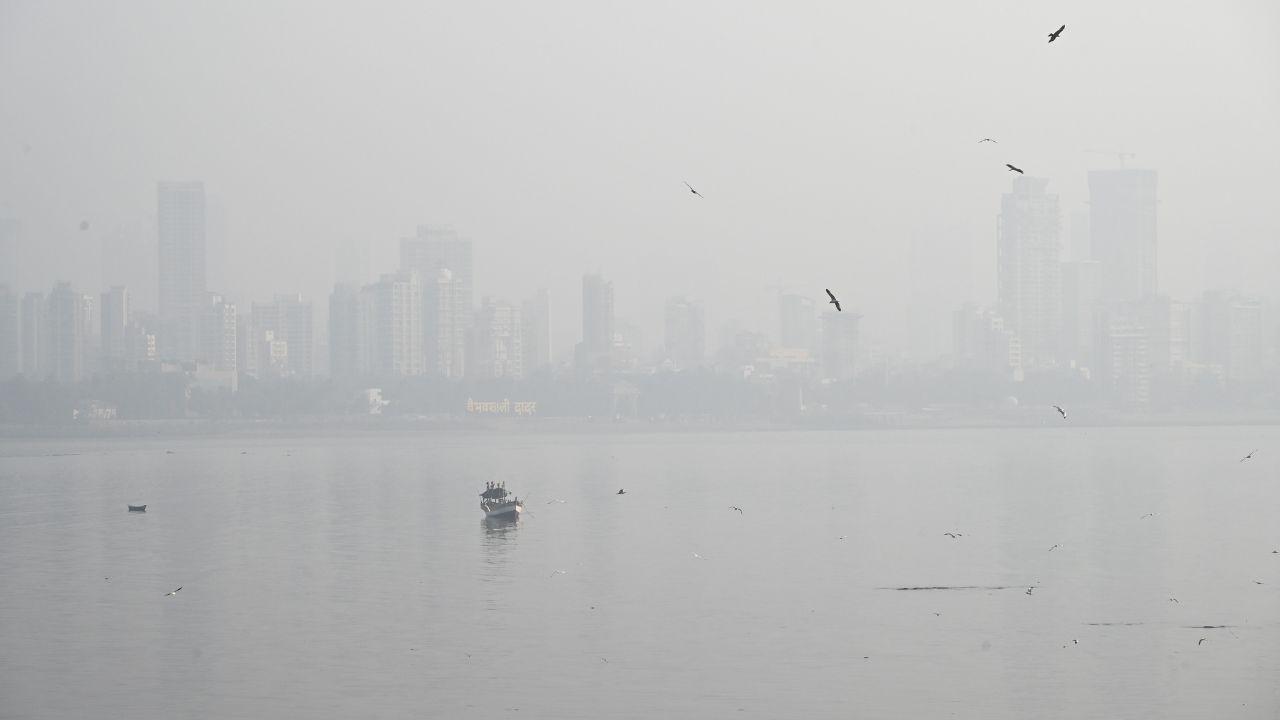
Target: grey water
{"points": [[354, 576]]}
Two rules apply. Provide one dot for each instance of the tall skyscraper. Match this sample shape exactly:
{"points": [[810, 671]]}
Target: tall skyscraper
{"points": [[685, 333], [1122, 229], [181, 270], [797, 321], [344, 331], [289, 319], [1028, 269], [34, 336], [391, 326], [596, 349], [444, 329], [66, 334], [839, 345], [10, 334], [499, 350], [448, 300], [535, 336], [115, 329], [436, 248]]}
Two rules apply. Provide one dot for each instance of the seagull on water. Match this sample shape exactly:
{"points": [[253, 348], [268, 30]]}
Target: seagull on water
{"points": [[833, 301], [1054, 35], [622, 491], [173, 592], [1144, 517], [695, 192], [1014, 169], [558, 572]]}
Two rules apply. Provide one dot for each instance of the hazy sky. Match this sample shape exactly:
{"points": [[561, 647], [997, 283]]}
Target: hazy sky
{"points": [[835, 143]]}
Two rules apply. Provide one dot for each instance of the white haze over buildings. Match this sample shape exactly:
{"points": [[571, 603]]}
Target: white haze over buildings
{"points": [[835, 144]]}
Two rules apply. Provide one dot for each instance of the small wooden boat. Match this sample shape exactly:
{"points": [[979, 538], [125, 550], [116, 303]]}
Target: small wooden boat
{"points": [[137, 508]]}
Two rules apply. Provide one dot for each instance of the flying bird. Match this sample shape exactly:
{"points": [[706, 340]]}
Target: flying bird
{"points": [[1249, 456], [735, 507], [558, 572], [1201, 642], [173, 592], [1054, 35], [1174, 600], [1014, 169], [695, 192], [556, 500], [1061, 412], [1144, 517], [987, 140], [953, 535], [1054, 547], [833, 301]]}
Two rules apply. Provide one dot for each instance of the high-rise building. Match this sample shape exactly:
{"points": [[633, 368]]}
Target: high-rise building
{"points": [[219, 334], [1028, 269], [34, 336], [685, 333], [594, 353], [535, 336], [628, 345], [115, 328], [444, 329], [181, 270], [1122, 230], [499, 350], [391, 326], [1123, 358], [447, 319], [1080, 298], [797, 322], [10, 334], [65, 332], [981, 341], [344, 331], [289, 319], [839, 345]]}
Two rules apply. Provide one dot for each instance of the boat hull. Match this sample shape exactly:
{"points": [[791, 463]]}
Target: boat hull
{"points": [[502, 510]]}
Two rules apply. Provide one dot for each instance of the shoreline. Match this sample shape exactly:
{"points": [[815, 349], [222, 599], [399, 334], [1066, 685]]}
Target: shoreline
{"points": [[450, 425]]}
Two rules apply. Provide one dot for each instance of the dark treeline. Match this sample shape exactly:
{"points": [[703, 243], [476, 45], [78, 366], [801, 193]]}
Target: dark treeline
{"points": [[696, 394]]}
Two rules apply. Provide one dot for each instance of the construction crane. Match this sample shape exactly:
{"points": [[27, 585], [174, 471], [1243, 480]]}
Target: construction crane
{"points": [[1119, 155]]}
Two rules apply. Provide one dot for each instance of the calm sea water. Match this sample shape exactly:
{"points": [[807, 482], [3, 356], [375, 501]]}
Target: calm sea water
{"points": [[340, 577]]}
